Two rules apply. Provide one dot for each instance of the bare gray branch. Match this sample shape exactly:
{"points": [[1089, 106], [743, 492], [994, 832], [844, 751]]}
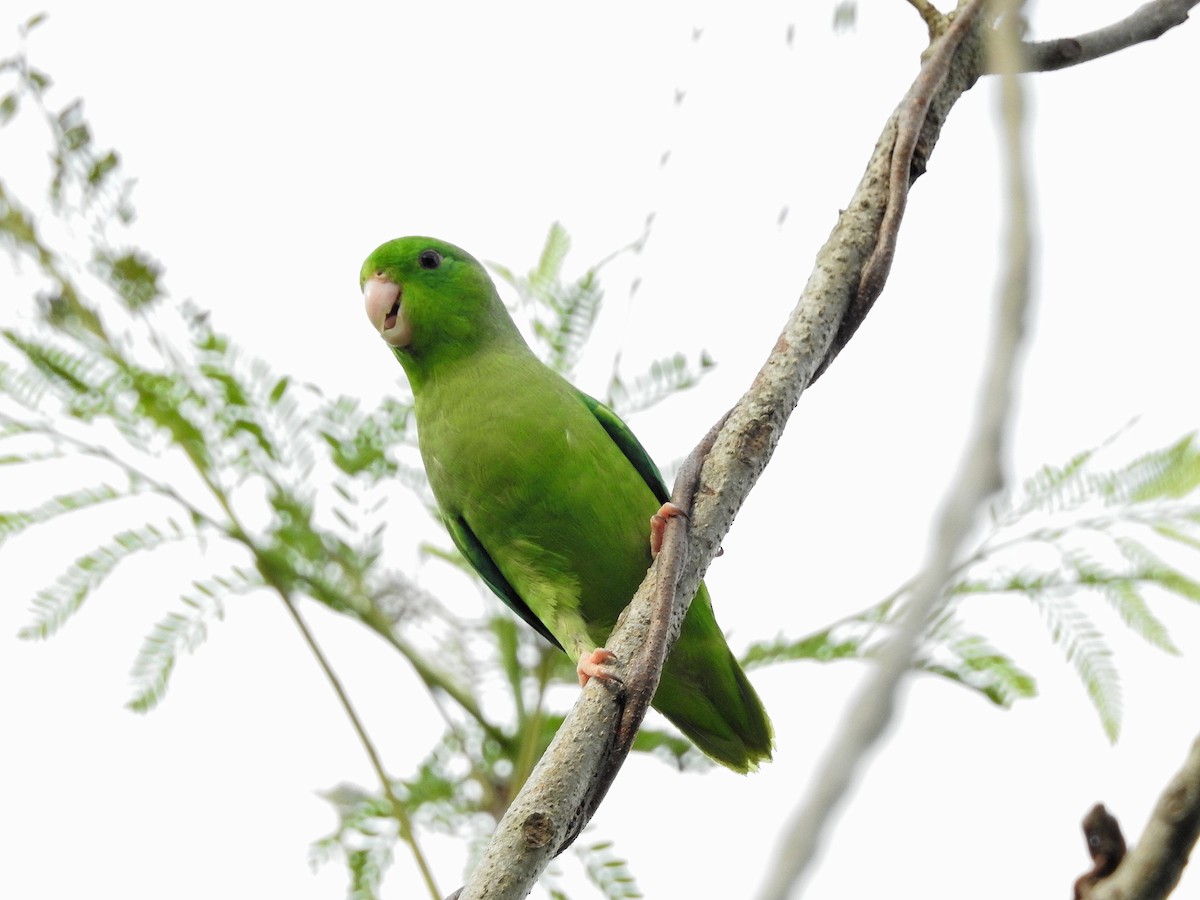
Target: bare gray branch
{"points": [[1149, 22]]}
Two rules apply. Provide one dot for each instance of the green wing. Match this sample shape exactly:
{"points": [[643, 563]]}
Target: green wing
{"points": [[476, 554], [629, 444], [471, 547]]}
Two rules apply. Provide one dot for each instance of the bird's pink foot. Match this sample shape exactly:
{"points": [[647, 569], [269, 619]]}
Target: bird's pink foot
{"points": [[658, 524], [594, 665]]}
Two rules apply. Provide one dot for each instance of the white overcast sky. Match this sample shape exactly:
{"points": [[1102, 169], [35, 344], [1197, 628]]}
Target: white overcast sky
{"points": [[275, 148]]}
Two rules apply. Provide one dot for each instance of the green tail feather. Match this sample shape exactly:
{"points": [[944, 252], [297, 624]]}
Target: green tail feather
{"points": [[708, 697]]}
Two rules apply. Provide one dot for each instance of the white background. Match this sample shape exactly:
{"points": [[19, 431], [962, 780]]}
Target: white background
{"points": [[275, 147]]}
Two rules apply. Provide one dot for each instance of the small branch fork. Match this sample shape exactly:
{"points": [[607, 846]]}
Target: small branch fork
{"points": [[1152, 869], [1106, 845], [913, 121], [850, 270]]}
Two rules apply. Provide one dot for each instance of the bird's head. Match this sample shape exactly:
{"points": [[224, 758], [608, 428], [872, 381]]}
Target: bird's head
{"points": [[428, 298]]}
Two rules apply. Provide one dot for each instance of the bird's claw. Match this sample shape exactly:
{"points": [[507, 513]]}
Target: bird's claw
{"points": [[595, 665], [658, 524]]}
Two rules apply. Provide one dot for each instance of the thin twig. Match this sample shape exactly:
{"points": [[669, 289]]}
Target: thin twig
{"points": [[436, 681], [1149, 22], [407, 834], [935, 20]]}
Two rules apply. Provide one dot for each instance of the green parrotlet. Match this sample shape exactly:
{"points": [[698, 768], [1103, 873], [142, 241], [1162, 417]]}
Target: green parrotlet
{"points": [[544, 489]]}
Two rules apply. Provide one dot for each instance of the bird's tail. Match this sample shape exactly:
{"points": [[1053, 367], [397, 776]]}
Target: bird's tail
{"points": [[708, 697]]}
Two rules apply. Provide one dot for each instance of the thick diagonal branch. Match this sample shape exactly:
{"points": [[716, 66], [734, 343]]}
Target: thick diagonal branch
{"points": [[567, 782], [562, 790]]}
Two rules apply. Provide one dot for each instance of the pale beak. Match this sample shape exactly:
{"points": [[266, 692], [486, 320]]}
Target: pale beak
{"points": [[384, 309]]}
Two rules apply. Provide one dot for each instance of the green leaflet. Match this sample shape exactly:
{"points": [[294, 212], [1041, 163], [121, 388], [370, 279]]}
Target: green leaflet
{"points": [[54, 605], [181, 631], [15, 522]]}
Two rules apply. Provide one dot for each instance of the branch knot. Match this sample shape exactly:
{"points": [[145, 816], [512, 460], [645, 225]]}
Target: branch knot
{"points": [[538, 829]]}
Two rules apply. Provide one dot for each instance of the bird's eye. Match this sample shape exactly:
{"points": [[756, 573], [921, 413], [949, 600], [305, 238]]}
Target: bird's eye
{"points": [[429, 259]]}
